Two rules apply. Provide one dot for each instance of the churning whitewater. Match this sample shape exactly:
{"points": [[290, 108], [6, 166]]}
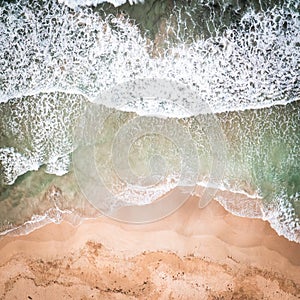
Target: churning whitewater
{"points": [[58, 61]]}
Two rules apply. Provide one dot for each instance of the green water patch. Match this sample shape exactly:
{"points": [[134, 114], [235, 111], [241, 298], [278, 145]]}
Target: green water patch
{"points": [[264, 152], [261, 155], [37, 195], [189, 19], [30, 184]]}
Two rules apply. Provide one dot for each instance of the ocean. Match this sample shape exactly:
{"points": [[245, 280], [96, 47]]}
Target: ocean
{"points": [[98, 110]]}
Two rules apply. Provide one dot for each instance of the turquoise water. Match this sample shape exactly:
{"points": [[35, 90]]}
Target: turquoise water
{"points": [[223, 110], [260, 158]]}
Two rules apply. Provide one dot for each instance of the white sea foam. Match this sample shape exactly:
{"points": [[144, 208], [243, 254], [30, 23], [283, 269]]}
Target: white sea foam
{"points": [[256, 65], [76, 3], [53, 215], [282, 216], [15, 164], [41, 128], [223, 187], [55, 48]]}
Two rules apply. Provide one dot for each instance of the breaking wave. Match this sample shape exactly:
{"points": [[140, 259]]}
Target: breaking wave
{"points": [[57, 62]]}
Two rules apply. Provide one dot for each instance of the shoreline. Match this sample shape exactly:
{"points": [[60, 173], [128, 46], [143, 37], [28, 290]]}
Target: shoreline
{"points": [[210, 246], [235, 202]]}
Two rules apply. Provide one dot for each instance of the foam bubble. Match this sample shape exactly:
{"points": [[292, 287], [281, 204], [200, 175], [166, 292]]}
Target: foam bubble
{"points": [[76, 3], [282, 216], [37, 130], [52, 47]]}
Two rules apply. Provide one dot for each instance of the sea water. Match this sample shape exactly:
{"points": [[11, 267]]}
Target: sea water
{"points": [[88, 95]]}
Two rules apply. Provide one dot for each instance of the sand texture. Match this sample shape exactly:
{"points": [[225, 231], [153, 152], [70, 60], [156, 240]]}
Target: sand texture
{"points": [[192, 254]]}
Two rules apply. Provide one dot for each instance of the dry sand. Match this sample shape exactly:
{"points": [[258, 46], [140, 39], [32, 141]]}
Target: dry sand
{"points": [[192, 254]]}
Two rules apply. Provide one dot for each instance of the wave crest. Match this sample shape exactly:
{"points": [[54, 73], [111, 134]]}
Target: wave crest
{"points": [[55, 48]]}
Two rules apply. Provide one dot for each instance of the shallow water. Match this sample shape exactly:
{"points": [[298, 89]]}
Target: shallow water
{"points": [[218, 110]]}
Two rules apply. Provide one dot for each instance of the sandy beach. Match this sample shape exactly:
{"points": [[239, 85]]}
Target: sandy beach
{"points": [[188, 111], [192, 254]]}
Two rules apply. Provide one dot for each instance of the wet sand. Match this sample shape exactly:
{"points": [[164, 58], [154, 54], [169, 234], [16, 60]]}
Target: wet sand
{"points": [[193, 254]]}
